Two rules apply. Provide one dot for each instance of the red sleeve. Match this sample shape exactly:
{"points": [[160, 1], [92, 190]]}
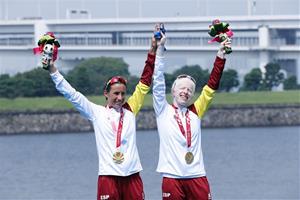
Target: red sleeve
{"points": [[146, 77], [216, 73], [127, 106], [193, 108]]}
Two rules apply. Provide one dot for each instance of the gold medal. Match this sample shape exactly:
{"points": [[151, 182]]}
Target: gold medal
{"points": [[118, 157], [189, 157]]}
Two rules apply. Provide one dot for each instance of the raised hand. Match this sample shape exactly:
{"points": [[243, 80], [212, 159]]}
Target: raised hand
{"points": [[161, 40], [224, 47]]}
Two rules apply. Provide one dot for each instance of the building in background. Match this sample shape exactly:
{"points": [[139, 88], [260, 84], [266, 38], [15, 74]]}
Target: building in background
{"points": [[83, 34]]}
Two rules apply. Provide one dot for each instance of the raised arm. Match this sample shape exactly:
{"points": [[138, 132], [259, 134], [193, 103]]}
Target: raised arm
{"points": [[80, 102], [159, 85], [204, 100], [136, 101]]}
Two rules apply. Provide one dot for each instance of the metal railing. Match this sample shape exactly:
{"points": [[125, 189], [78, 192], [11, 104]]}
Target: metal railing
{"points": [[16, 41], [145, 41], [90, 40]]}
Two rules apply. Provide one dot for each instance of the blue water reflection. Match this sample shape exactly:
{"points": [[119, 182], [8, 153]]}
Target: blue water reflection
{"points": [[241, 163]]}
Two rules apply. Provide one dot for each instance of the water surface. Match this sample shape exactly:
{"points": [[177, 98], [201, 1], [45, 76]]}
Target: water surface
{"points": [[241, 163]]}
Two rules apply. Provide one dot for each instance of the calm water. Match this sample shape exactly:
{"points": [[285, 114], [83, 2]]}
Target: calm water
{"points": [[241, 163]]}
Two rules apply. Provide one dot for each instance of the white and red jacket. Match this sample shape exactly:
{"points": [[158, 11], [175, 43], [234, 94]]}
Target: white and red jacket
{"points": [[101, 118], [173, 144]]}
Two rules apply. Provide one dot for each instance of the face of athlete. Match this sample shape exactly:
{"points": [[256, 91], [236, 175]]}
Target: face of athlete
{"points": [[183, 92], [116, 95]]}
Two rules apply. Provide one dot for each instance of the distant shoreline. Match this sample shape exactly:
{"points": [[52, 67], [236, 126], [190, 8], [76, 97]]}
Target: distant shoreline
{"points": [[57, 121]]}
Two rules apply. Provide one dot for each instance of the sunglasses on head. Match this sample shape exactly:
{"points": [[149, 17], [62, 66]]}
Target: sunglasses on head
{"points": [[186, 76], [115, 79]]}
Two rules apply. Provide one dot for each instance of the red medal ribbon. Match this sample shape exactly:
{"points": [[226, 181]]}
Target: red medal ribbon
{"points": [[188, 126], [120, 127]]}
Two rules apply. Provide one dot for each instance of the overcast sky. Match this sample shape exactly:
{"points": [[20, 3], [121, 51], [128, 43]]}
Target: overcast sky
{"points": [[18, 9]]}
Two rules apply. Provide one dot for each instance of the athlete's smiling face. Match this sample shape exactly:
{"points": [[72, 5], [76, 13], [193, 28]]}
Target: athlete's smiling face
{"points": [[116, 95], [183, 92]]}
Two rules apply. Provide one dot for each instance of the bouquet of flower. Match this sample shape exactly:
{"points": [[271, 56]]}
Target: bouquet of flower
{"points": [[47, 46], [221, 32]]}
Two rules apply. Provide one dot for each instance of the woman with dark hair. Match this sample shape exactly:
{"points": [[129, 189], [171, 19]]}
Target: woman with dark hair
{"points": [[115, 130]]}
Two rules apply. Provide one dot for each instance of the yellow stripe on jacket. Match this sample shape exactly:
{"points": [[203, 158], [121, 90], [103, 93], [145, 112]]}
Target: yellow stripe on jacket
{"points": [[136, 101], [204, 100]]}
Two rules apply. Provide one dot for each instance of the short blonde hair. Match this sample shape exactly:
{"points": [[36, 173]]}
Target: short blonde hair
{"points": [[182, 76]]}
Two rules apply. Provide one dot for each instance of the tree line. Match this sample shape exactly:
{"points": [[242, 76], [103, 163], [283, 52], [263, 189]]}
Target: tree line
{"points": [[90, 76]]}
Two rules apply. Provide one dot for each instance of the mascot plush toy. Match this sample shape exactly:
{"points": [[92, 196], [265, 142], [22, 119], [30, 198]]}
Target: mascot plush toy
{"points": [[47, 46], [220, 31], [157, 34]]}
